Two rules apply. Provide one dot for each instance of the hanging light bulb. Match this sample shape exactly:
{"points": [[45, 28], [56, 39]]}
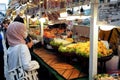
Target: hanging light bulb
{"points": [[30, 1]]}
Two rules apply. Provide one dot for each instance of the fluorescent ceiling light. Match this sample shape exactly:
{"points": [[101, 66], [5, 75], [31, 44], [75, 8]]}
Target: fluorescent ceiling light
{"points": [[73, 17], [62, 18], [84, 17]]}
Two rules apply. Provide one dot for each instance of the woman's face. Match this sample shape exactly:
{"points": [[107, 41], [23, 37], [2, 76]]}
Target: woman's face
{"points": [[25, 34]]}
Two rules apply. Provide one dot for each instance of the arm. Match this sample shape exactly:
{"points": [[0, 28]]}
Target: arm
{"points": [[27, 63]]}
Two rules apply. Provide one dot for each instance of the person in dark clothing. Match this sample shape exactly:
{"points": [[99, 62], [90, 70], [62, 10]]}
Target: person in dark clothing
{"points": [[19, 19], [1, 57], [3, 46], [29, 43], [4, 27]]}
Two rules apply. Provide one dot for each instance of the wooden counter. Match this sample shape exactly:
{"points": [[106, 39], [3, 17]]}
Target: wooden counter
{"points": [[67, 71]]}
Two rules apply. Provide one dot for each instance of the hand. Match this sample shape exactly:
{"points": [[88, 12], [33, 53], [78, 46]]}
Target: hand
{"points": [[30, 44]]}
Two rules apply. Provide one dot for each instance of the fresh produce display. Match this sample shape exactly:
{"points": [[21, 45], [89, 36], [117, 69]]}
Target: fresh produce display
{"points": [[68, 48], [34, 29], [104, 77], [48, 34], [83, 49], [51, 33], [69, 39], [57, 42]]}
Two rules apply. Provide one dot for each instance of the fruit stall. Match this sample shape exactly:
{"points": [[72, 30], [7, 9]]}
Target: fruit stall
{"points": [[74, 46]]}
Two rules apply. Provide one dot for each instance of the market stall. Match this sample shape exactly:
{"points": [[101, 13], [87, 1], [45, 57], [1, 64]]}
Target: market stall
{"points": [[80, 23]]}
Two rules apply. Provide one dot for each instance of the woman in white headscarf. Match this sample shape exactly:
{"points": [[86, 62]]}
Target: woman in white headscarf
{"points": [[16, 33]]}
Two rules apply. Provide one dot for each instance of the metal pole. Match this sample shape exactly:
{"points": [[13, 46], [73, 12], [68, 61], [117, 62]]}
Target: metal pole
{"points": [[93, 40], [42, 29]]}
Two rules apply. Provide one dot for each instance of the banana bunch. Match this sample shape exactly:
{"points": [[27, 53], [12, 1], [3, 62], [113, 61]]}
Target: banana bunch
{"points": [[69, 39], [68, 48], [83, 48], [102, 49]]}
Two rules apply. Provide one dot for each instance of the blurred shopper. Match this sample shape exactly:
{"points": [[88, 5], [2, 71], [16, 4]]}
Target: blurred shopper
{"points": [[4, 27], [3, 44], [19, 19], [16, 33], [5, 23]]}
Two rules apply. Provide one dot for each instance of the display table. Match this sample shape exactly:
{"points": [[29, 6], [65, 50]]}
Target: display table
{"points": [[60, 69]]}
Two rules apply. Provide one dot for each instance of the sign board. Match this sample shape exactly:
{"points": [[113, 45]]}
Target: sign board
{"points": [[2, 7], [110, 12]]}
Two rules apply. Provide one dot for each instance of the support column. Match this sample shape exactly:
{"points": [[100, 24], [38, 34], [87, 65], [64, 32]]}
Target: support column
{"points": [[93, 40]]}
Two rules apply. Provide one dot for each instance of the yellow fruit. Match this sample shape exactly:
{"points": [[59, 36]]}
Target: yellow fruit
{"points": [[69, 39]]}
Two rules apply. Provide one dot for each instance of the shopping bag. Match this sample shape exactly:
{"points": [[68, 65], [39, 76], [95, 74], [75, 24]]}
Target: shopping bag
{"points": [[19, 74]]}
